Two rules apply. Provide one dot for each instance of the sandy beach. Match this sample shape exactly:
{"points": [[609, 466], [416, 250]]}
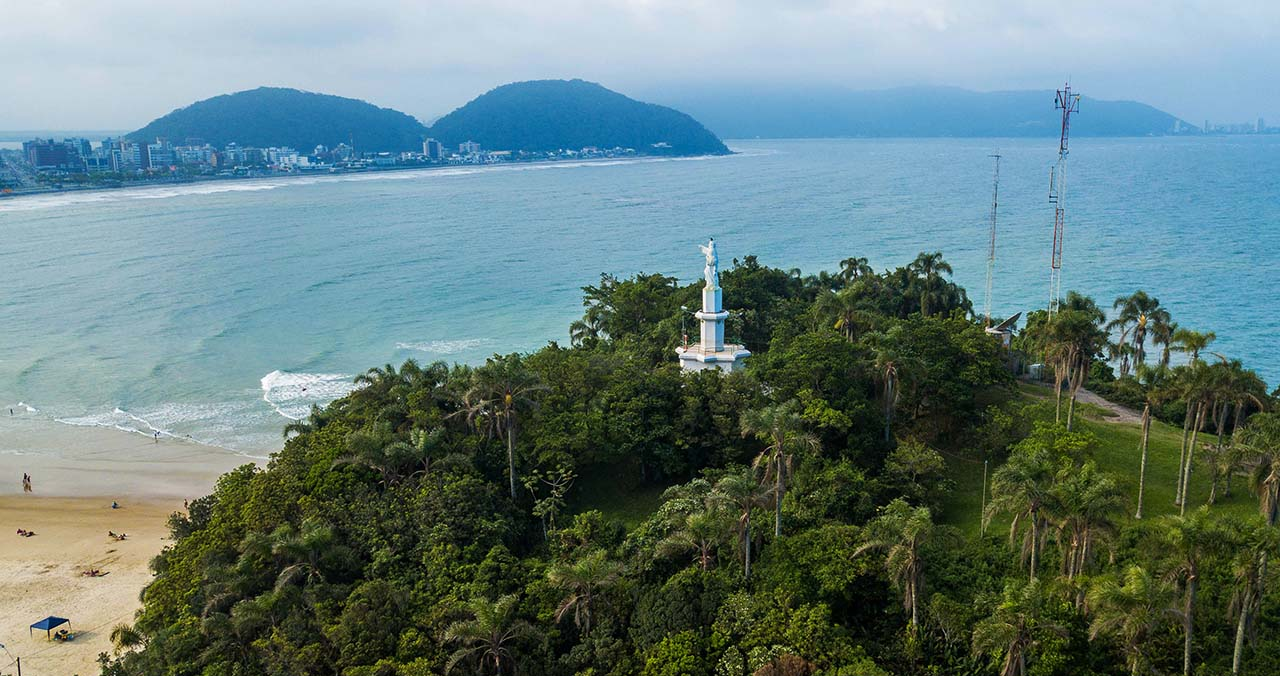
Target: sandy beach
{"points": [[76, 474]]}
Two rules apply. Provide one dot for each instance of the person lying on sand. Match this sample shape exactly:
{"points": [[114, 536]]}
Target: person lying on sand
{"points": [[93, 572], [22, 532], [119, 537]]}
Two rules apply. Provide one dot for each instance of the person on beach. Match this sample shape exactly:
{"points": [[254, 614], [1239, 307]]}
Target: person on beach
{"points": [[157, 436], [26, 482]]}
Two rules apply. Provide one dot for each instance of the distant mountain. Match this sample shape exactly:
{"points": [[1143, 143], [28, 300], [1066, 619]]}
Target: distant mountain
{"points": [[908, 112], [546, 115], [274, 116]]}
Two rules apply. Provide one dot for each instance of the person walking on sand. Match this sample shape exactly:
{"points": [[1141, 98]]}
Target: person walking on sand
{"points": [[26, 482]]}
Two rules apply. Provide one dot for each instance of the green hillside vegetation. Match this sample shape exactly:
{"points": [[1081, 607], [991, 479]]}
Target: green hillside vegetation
{"points": [[590, 509], [1116, 452], [275, 116], [548, 115]]}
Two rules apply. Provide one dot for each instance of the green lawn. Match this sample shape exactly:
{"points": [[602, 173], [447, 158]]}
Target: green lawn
{"points": [[618, 500], [1116, 452]]}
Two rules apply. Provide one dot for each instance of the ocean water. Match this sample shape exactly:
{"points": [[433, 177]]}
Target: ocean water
{"points": [[219, 311]]}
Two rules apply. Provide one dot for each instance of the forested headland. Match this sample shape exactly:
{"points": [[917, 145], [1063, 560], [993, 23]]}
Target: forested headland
{"points": [[878, 492]]}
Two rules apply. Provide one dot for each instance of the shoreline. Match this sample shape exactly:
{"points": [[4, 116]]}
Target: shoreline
{"points": [[77, 472], [338, 175], [71, 461]]}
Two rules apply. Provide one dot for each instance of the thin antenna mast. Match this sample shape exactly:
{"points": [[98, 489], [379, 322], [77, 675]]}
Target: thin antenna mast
{"points": [[991, 251], [1068, 103]]}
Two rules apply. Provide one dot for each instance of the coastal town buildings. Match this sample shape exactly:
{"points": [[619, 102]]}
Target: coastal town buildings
{"points": [[50, 164]]}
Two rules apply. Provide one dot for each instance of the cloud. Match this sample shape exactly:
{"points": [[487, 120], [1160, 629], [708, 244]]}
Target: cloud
{"points": [[91, 64]]}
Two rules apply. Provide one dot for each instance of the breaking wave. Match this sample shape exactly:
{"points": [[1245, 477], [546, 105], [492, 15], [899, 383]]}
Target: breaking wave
{"points": [[445, 346], [292, 394]]}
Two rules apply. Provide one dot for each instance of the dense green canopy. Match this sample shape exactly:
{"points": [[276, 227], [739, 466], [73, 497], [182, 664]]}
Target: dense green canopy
{"points": [[276, 116], [798, 517], [547, 115]]}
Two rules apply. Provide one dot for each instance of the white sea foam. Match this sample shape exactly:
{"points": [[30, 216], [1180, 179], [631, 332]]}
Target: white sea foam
{"points": [[167, 420], [119, 419], [445, 346], [26, 407], [292, 394]]}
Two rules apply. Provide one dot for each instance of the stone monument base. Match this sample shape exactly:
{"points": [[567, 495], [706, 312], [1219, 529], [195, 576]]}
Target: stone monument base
{"points": [[727, 358]]}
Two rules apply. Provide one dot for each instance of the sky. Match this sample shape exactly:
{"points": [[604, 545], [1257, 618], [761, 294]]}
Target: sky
{"points": [[88, 64]]}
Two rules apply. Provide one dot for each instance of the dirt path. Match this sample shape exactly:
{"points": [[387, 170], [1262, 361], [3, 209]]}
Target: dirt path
{"points": [[1119, 414]]}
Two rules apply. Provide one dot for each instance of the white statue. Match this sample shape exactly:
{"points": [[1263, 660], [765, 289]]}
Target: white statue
{"points": [[712, 270]]}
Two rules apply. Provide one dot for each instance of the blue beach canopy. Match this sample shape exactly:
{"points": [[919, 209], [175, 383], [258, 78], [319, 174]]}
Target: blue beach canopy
{"points": [[49, 623]]}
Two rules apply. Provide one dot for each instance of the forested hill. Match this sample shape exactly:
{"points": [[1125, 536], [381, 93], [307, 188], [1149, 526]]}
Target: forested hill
{"points": [[547, 115], [812, 112], [590, 509], [274, 116]]}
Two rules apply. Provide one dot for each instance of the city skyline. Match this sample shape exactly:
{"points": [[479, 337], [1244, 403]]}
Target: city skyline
{"points": [[1205, 61]]}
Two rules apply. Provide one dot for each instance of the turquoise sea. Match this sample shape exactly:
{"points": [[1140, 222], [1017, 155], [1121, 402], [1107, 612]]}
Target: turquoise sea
{"points": [[219, 310]]}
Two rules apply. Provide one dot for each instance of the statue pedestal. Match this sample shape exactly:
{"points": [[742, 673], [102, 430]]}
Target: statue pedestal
{"points": [[711, 352]]}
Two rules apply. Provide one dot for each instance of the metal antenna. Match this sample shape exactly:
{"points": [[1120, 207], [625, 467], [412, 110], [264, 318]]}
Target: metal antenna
{"points": [[991, 251], [1068, 103]]}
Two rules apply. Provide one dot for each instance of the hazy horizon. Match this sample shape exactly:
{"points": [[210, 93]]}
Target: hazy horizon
{"points": [[83, 65]]}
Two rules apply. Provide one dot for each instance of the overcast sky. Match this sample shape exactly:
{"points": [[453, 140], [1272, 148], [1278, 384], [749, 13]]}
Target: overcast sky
{"points": [[116, 64]]}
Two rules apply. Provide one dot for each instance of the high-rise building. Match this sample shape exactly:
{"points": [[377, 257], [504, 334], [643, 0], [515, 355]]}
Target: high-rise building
{"points": [[1262, 126], [468, 148], [51, 155], [160, 154], [433, 149]]}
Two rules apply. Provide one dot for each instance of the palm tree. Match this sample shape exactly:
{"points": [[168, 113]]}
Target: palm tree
{"points": [[781, 428], [504, 389], [1191, 539], [372, 448], [1162, 334], [743, 493], [928, 268], [588, 329], [1192, 342], [583, 580], [1021, 487], [901, 531], [1255, 542], [125, 637], [1196, 386], [1075, 340], [1139, 315], [848, 310], [1259, 439], [418, 452], [891, 365], [1240, 388], [302, 550], [700, 531], [1083, 503], [1155, 380], [1014, 628], [854, 268], [1133, 608], [489, 635], [315, 420]]}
